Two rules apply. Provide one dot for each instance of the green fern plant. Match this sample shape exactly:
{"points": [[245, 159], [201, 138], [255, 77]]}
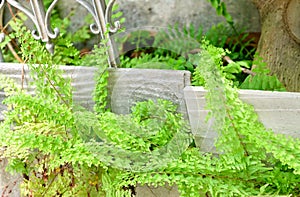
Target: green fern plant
{"points": [[145, 140], [64, 151], [176, 41], [46, 137], [99, 58], [252, 160], [221, 9], [155, 61], [240, 39], [237, 41], [38, 131], [261, 79], [229, 71]]}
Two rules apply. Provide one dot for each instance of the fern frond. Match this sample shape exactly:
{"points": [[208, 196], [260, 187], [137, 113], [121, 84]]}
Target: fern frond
{"points": [[143, 142]]}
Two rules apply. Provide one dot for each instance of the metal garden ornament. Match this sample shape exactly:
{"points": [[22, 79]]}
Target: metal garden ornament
{"points": [[40, 17]]}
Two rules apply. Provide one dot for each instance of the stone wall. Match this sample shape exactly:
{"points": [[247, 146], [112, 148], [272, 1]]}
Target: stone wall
{"points": [[161, 13], [278, 111], [157, 14]]}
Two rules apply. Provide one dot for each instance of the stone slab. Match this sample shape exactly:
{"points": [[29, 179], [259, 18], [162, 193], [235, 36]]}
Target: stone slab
{"points": [[279, 111]]}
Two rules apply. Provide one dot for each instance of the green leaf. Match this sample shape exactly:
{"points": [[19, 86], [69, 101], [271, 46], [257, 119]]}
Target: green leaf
{"points": [[245, 63], [214, 3], [219, 10], [265, 83], [232, 68]]}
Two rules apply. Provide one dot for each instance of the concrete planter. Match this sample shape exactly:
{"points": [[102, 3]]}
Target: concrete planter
{"points": [[82, 81], [83, 86], [277, 110], [126, 86]]}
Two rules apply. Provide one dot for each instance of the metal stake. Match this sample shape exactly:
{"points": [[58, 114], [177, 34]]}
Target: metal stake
{"points": [[102, 15], [41, 20]]}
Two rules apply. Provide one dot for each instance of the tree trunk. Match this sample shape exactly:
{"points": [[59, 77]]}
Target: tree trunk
{"points": [[279, 43]]}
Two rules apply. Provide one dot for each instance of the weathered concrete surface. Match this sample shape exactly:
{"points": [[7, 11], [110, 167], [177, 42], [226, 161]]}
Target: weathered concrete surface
{"points": [[9, 184], [161, 13], [83, 83], [279, 111], [128, 86], [82, 79], [150, 191]]}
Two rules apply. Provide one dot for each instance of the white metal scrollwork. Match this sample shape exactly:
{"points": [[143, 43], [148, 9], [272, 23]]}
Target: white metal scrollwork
{"points": [[103, 25], [101, 12], [40, 18]]}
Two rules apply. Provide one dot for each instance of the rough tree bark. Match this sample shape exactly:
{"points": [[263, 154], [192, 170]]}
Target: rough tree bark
{"points": [[279, 43]]}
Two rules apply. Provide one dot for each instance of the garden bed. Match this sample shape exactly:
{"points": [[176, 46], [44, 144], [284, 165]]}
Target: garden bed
{"points": [[279, 111]]}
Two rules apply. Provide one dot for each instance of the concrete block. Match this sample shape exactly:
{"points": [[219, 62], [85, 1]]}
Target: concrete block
{"points": [[161, 13], [82, 79], [83, 84], [279, 111], [128, 86]]}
